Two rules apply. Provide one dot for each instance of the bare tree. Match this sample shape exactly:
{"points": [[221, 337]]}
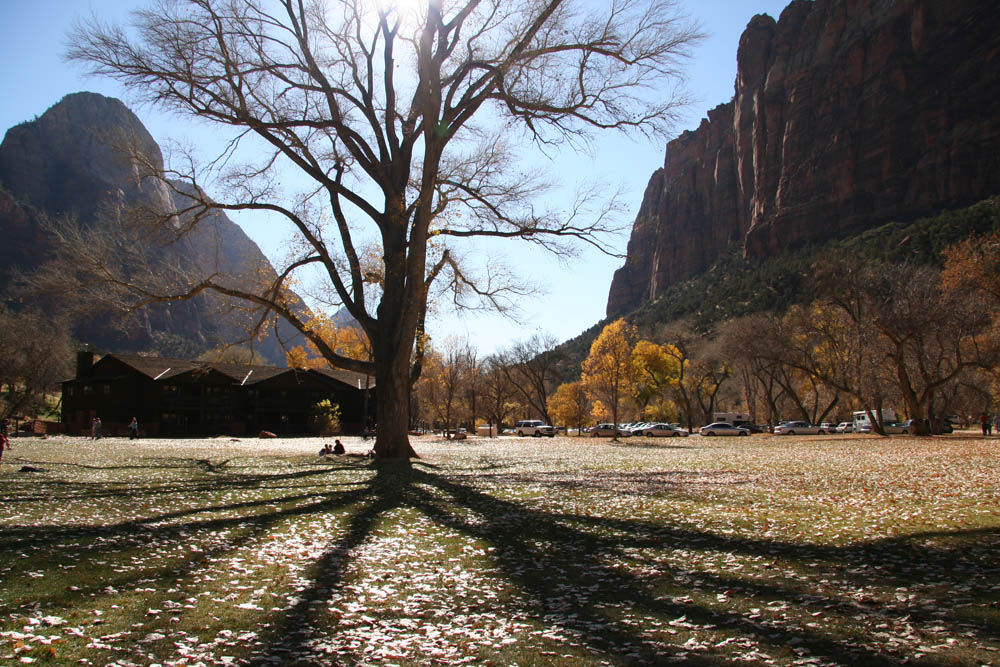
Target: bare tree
{"points": [[444, 381], [35, 355], [499, 395], [377, 108], [748, 342], [531, 368], [709, 371], [471, 386], [879, 326]]}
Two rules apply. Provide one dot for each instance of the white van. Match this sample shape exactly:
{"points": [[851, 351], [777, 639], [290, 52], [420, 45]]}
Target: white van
{"points": [[734, 418], [863, 425], [534, 427]]}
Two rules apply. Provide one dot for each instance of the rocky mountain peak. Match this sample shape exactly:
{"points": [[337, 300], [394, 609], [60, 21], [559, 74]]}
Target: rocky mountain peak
{"points": [[85, 159]]}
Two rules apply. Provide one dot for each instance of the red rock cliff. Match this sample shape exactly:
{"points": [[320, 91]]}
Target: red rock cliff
{"points": [[847, 114]]}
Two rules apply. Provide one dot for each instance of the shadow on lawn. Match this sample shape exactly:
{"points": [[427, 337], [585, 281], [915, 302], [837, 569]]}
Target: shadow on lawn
{"points": [[578, 571], [656, 443], [217, 477], [570, 566], [252, 521]]}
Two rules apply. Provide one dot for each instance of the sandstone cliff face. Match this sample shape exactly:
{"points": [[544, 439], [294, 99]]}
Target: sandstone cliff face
{"points": [[847, 114], [74, 161]]}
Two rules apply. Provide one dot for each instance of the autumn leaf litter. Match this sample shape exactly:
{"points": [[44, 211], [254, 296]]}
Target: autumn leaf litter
{"points": [[508, 551]]}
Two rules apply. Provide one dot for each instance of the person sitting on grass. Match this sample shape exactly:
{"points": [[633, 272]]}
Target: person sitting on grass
{"points": [[338, 448]]}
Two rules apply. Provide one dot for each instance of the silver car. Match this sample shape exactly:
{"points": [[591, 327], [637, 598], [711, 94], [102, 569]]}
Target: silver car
{"points": [[723, 428], [608, 430], [663, 431], [797, 428]]}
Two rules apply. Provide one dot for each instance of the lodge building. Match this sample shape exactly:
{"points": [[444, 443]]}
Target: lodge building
{"points": [[176, 397]]}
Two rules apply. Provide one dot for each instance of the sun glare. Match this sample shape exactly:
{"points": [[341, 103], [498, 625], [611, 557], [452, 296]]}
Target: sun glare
{"points": [[410, 12]]}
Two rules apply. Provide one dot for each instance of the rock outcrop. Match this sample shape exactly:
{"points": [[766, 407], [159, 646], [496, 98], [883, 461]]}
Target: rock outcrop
{"points": [[77, 161], [846, 114]]}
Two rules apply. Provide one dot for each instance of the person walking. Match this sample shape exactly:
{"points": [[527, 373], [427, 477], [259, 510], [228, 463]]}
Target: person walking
{"points": [[95, 429], [983, 421], [4, 437], [133, 429]]}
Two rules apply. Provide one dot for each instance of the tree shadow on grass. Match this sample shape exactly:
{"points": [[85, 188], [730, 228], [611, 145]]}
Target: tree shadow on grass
{"points": [[586, 576], [576, 576], [217, 480], [112, 549], [608, 583], [291, 636], [665, 443]]}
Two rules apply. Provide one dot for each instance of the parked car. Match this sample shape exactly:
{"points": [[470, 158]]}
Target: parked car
{"points": [[756, 428], [723, 428], [890, 428], [797, 428], [636, 428], [845, 427], [608, 430], [534, 427], [663, 431], [828, 427]]}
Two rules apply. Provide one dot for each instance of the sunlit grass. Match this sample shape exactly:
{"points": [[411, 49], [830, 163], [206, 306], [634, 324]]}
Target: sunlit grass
{"points": [[759, 550]]}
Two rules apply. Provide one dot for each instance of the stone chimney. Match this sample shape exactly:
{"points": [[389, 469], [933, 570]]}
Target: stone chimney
{"points": [[84, 363]]}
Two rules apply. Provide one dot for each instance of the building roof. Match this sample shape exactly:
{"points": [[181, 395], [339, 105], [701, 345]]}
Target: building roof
{"points": [[164, 368], [358, 380]]}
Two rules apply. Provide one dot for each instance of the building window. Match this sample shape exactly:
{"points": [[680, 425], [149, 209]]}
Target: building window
{"points": [[87, 390], [107, 389]]}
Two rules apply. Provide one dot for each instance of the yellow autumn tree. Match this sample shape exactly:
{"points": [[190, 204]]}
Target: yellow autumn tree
{"points": [[608, 372], [599, 412], [343, 339], [569, 405], [658, 368]]}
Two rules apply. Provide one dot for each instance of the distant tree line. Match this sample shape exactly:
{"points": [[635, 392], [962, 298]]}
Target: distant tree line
{"points": [[736, 287], [912, 336]]}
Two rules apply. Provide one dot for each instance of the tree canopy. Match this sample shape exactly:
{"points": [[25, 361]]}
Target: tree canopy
{"points": [[406, 125]]}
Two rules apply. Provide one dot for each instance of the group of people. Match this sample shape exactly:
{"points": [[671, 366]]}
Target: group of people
{"points": [[336, 450], [95, 428], [987, 423]]}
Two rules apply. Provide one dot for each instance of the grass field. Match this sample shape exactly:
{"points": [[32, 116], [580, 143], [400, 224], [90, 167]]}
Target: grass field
{"points": [[514, 551]]}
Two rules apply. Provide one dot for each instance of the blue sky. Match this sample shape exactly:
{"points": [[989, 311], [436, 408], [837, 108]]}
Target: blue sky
{"points": [[34, 76]]}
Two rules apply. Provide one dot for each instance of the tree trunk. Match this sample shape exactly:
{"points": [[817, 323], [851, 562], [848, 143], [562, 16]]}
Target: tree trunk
{"points": [[392, 397], [614, 414], [910, 399]]}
